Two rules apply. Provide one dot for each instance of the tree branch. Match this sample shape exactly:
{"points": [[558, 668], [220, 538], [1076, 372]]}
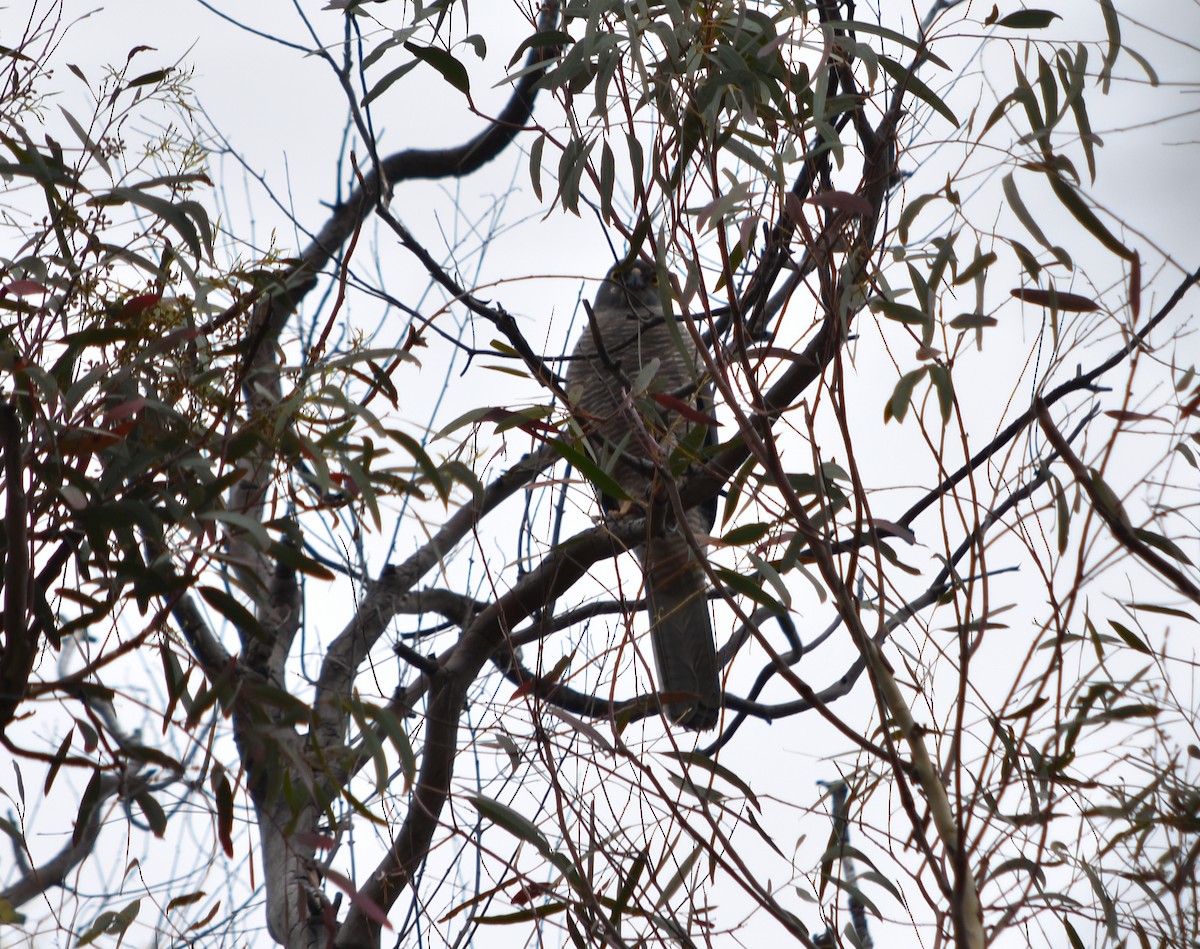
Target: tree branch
{"points": [[54, 871], [457, 669], [409, 165], [1110, 511]]}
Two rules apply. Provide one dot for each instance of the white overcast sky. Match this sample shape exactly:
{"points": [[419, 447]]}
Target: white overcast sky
{"points": [[284, 113]]}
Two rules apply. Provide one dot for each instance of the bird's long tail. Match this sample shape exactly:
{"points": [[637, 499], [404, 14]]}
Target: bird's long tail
{"points": [[681, 631]]}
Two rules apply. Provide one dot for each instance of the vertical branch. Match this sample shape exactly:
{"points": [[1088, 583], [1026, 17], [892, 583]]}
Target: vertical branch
{"points": [[19, 651]]}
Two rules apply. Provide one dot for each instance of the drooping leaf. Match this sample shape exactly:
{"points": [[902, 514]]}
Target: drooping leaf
{"points": [[445, 63], [908, 80], [1059, 300], [604, 482], [546, 39], [1074, 203], [224, 799], [1028, 19], [897, 405], [513, 821], [1112, 24], [388, 80]]}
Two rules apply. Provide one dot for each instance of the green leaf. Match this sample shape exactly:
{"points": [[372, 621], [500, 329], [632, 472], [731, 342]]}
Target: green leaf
{"points": [[910, 212], [698, 791], [1018, 208], [908, 81], [371, 744], [91, 147], [1145, 64], [297, 560], [251, 527], [973, 321], [897, 405], [155, 816], [239, 617], [940, 378], [699, 759], [1130, 638], [450, 68], [57, 762], [1112, 24], [1163, 610], [87, 805], [1074, 203], [515, 823], [976, 267], [431, 471], [1064, 517], [1167, 546], [745, 535], [542, 40], [734, 489], [628, 886], [603, 481], [1019, 865], [678, 879], [394, 729], [1056, 300], [110, 923], [535, 165], [521, 916], [865, 26], [150, 78], [396, 39], [900, 312], [750, 588], [1077, 70], [607, 179], [1072, 935], [478, 44], [571, 167], [388, 80], [768, 573], [1028, 20], [188, 218]]}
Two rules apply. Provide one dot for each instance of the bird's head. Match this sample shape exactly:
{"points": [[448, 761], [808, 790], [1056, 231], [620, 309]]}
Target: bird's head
{"points": [[632, 284]]}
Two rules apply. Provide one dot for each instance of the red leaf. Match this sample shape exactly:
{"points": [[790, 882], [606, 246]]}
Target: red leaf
{"points": [[137, 305], [689, 412], [316, 841], [126, 409], [365, 903], [1122, 416], [85, 441], [526, 893], [842, 201], [23, 288]]}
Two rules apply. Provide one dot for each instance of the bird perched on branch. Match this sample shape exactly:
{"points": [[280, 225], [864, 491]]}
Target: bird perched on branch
{"points": [[629, 342]]}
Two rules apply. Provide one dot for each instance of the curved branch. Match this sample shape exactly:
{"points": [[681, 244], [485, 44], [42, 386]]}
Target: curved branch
{"points": [[457, 669], [54, 871], [409, 165], [1084, 381], [385, 598], [1111, 512]]}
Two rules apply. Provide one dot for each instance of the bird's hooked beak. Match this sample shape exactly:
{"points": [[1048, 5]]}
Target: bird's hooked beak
{"points": [[638, 277]]}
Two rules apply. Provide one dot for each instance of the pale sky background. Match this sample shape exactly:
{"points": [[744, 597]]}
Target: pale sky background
{"points": [[283, 114]]}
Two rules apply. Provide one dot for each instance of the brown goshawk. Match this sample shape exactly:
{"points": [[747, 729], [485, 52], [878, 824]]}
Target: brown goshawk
{"points": [[628, 334]]}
